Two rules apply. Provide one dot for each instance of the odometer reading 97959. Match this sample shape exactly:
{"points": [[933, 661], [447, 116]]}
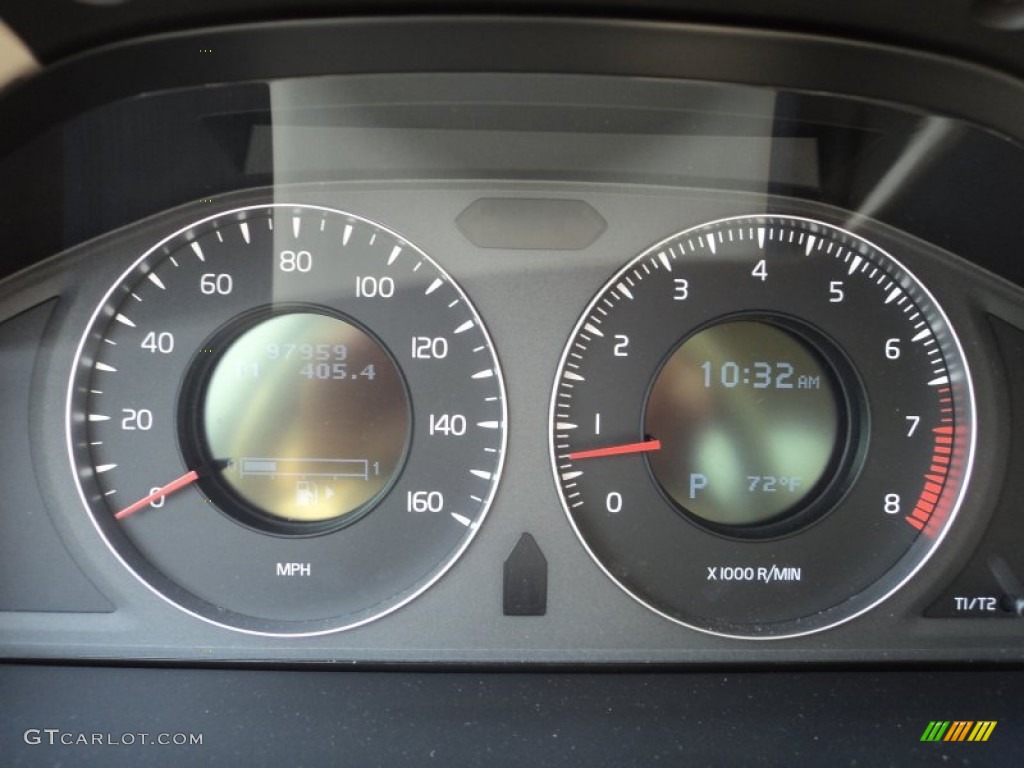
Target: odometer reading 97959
{"points": [[762, 426], [286, 419]]}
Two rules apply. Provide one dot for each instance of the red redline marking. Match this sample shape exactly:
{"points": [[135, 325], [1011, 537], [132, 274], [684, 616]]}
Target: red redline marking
{"points": [[175, 485], [617, 450], [916, 523], [921, 515]]}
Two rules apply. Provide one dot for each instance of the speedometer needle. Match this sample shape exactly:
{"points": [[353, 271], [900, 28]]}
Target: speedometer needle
{"points": [[618, 450], [175, 485]]}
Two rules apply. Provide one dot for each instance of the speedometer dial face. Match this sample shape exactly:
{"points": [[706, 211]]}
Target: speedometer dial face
{"points": [[286, 419], [762, 426]]}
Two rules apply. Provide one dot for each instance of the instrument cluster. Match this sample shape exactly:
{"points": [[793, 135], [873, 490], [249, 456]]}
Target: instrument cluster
{"points": [[512, 367]]}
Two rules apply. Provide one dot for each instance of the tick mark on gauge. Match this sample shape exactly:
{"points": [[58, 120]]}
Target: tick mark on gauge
{"points": [[198, 251], [394, 254], [244, 227], [434, 286], [464, 327], [157, 281]]}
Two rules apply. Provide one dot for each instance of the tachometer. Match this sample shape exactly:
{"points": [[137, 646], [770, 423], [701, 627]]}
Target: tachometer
{"points": [[762, 426], [286, 419]]}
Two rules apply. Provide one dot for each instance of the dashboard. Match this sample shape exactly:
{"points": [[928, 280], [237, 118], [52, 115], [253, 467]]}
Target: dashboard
{"points": [[511, 389]]}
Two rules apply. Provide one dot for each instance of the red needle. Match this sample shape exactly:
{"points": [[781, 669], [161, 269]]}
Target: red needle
{"points": [[175, 485], [618, 450]]}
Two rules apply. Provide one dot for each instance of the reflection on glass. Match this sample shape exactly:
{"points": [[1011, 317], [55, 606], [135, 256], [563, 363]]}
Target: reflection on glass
{"points": [[748, 420], [311, 412]]}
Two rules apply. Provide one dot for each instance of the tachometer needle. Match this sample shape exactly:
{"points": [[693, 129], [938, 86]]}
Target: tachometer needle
{"points": [[175, 485], [618, 450]]}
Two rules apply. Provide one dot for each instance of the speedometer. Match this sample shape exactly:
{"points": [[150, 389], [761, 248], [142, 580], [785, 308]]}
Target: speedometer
{"points": [[762, 426], [286, 419]]}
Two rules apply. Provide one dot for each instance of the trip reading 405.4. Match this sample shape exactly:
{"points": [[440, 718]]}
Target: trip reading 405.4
{"points": [[314, 361]]}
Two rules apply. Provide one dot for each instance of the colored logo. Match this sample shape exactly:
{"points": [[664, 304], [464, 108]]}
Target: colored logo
{"points": [[958, 730]]}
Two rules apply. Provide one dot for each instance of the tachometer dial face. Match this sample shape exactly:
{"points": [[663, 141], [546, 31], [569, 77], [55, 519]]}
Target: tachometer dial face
{"points": [[286, 419], [762, 426]]}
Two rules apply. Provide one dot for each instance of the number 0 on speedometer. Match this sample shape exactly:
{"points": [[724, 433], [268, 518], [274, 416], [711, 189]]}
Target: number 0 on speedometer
{"points": [[762, 426]]}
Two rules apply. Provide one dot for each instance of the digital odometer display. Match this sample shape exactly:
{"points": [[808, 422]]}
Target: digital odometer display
{"points": [[310, 413], [762, 426]]}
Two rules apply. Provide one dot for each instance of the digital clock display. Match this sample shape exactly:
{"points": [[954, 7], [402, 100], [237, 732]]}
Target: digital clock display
{"points": [[749, 420]]}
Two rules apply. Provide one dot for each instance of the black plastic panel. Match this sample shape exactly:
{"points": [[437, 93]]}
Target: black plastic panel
{"points": [[992, 585], [36, 571], [981, 30], [541, 719]]}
